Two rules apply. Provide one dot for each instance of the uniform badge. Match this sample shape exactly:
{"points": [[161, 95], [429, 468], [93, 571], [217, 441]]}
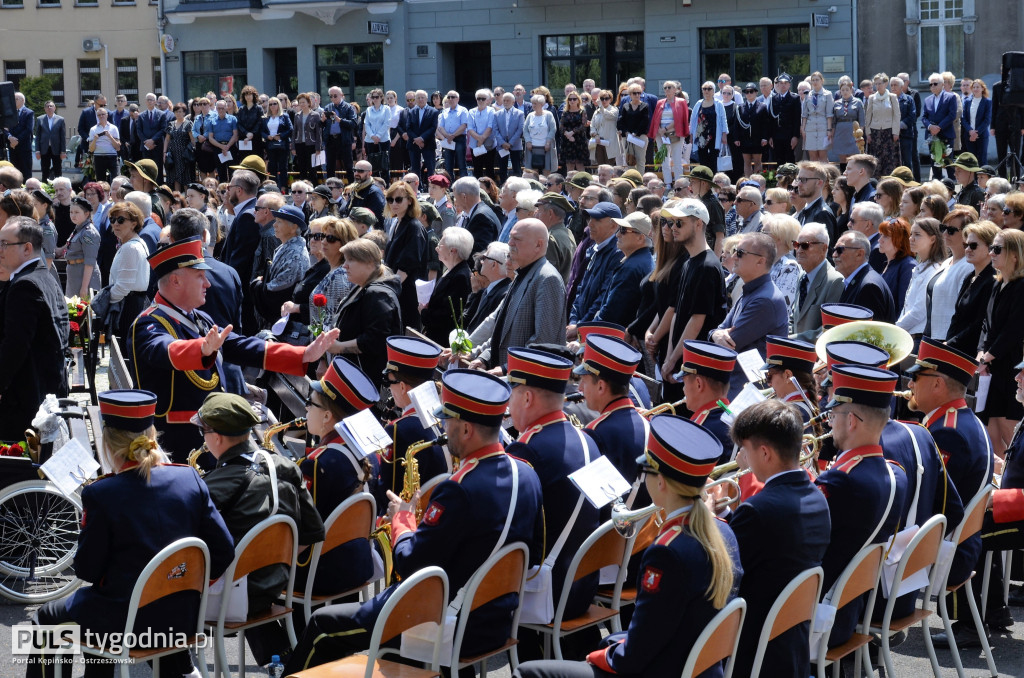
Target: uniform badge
{"points": [[652, 580], [433, 513], [178, 571]]}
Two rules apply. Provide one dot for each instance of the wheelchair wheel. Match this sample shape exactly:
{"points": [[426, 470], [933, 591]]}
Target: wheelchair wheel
{"points": [[38, 538]]}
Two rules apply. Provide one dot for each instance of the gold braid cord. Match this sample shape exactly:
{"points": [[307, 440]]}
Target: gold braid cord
{"points": [[200, 383]]}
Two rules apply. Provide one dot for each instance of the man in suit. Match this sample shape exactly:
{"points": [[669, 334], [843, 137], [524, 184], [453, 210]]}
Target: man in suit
{"points": [[150, 129], [131, 150], [782, 530], [490, 271], [820, 283], [809, 184], [915, 157], [619, 302], [908, 122], [865, 218], [939, 115], [603, 262], [33, 328], [240, 246], [861, 284], [418, 134], [784, 111], [19, 137], [509, 136], [480, 219], [86, 120], [339, 127], [748, 207], [531, 312], [50, 142]]}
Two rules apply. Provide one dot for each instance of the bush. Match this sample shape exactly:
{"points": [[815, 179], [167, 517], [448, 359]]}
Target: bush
{"points": [[37, 91]]}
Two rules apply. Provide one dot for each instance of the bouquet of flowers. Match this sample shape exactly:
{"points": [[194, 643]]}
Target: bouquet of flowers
{"points": [[940, 151], [77, 310], [459, 337], [19, 449], [317, 314]]}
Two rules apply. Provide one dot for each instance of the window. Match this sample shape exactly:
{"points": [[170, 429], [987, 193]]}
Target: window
{"points": [[356, 69], [15, 71], [941, 42], [12, 4], [127, 78], [749, 53], [602, 57], [158, 79], [88, 79], [49, 3], [222, 72], [86, 3], [55, 69]]}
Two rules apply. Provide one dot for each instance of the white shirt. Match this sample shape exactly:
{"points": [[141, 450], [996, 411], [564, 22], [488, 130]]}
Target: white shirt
{"points": [[103, 145], [944, 295], [914, 314], [129, 271]]}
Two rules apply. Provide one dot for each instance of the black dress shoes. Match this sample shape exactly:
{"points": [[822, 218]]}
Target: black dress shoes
{"points": [[965, 635]]}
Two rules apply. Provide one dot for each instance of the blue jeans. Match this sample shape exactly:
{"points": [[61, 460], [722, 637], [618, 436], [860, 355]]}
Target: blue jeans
{"points": [[456, 158]]}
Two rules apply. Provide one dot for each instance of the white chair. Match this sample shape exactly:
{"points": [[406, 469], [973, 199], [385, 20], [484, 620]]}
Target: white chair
{"points": [[353, 519], [921, 553], [717, 641], [602, 548], [974, 516], [795, 604], [419, 599], [181, 566], [859, 577], [272, 541], [501, 574]]}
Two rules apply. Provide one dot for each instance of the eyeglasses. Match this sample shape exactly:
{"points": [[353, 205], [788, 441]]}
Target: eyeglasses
{"points": [[4, 244], [722, 80], [995, 249], [678, 189], [832, 414], [800, 180], [933, 84], [121, 220], [604, 98], [1007, 210], [312, 403], [725, 199], [797, 245], [392, 199], [262, 207], [742, 253], [298, 191], [325, 236], [707, 89], [625, 230], [481, 98], [919, 375], [949, 230], [972, 245], [739, 200], [838, 251]]}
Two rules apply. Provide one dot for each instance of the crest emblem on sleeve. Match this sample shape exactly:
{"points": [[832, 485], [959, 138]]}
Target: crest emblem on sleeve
{"points": [[433, 513], [652, 580]]}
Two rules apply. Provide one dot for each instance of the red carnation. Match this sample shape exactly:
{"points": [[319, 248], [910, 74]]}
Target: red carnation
{"points": [[319, 300], [74, 326]]}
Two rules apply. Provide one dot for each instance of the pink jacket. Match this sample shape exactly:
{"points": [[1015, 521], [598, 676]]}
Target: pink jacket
{"points": [[681, 118]]}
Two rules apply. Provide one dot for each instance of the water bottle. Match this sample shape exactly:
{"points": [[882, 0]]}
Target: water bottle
{"points": [[275, 668]]}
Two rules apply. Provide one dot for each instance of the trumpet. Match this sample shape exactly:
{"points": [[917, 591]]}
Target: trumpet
{"points": [[626, 521], [733, 497], [906, 395], [662, 409]]}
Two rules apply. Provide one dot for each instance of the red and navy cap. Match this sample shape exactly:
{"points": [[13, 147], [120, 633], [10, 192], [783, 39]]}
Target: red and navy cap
{"points": [[473, 396], [412, 356], [530, 367], [708, 360], [855, 353], [862, 385], [609, 358], [840, 314], [127, 409], [680, 449], [347, 386], [600, 328], [186, 253], [789, 354], [934, 355]]}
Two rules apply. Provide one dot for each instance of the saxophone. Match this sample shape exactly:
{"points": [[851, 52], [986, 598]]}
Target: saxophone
{"points": [[268, 435], [193, 459]]}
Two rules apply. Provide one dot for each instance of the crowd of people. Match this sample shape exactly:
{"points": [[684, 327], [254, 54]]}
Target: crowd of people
{"points": [[477, 242]]}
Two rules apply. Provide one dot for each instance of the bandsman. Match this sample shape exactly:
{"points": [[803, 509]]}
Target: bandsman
{"points": [[705, 373]]}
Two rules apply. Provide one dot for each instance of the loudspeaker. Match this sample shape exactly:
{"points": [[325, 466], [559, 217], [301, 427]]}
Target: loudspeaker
{"points": [[8, 111], [1013, 77]]}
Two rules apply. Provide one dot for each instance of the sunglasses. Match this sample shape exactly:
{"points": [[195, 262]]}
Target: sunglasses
{"points": [[1007, 210], [995, 249], [838, 251], [750, 91], [121, 220], [766, 202], [707, 89], [392, 199], [805, 245], [742, 253], [298, 192], [634, 94], [481, 98], [573, 98], [949, 230], [972, 245], [324, 236], [679, 189], [606, 98], [625, 230], [724, 199]]}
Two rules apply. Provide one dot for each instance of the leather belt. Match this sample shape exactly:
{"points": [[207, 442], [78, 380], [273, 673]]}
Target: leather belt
{"points": [[73, 262]]}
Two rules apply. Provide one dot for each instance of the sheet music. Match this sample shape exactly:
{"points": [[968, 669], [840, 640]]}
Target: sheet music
{"points": [[224, 157], [70, 467], [751, 361], [744, 399], [363, 433], [425, 399], [424, 288], [600, 482], [245, 145]]}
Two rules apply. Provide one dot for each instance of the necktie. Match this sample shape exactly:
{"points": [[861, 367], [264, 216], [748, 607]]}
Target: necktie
{"points": [[421, 116], [805, 284], [814, 99]]}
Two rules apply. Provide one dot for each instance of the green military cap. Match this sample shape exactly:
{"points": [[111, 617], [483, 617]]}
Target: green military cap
{"points": [[581, 179], [363, 216], [556, 199], [226, 413], [633, 177]]}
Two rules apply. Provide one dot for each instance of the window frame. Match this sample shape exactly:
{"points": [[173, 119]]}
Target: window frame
{"points": [[126, 63], [771, 51], [12, 75], [353, 91], [949, 18], [85, 94], [607, 56], [238, 72], [59, 96]]}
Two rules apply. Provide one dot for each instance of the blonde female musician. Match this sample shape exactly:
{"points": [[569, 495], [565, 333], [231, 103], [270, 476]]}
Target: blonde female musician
{"points": [[690, 572], [789, 359]]}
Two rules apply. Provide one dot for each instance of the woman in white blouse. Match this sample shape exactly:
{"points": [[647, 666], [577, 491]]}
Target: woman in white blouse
{"points": [[882, 122], [927, 245], [376, 134], [540, 132], [603, 129], [785, 272], [129, 271], [945, 286]]}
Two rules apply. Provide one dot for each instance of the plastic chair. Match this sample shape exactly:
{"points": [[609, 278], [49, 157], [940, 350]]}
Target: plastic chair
{"points": [[421, 598], [181, 566], [501, 574], [353, 519], [270, 542], [974, 516], [859, 577], [921, 553], [717, 641], [795, 604], [603, 547]]}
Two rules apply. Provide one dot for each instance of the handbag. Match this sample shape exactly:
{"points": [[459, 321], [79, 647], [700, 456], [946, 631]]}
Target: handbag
{"points": [[209, 148], [189, 154], [275, 145], [168, 159], [238, 600], [538, 159], [725, 161]]}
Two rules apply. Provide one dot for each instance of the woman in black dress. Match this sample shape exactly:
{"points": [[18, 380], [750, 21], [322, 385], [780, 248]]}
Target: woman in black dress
{"points": [[573, 135], [1002, 337], [406, 253], [969, 312]]}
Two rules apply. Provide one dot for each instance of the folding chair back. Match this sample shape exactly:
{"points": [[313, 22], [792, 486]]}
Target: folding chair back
{"points": [[270, 542], [974, 516], [795, 604], [718, 640], [419, 599]]}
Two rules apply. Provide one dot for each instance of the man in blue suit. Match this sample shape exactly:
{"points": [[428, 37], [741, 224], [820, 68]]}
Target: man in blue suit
{"points": [[606, 258], [509, 136], [782, 530], [339, 126], [50, 142], [19, 137], [620, 301], [420, 125], [862, 286], [150, 129], [939, 114]]}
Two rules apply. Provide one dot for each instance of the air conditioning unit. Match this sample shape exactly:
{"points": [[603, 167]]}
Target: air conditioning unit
{"points": [[91, 45]]}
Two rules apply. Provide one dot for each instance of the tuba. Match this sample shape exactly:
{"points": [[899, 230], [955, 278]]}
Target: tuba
{"points": [[894, 340]]}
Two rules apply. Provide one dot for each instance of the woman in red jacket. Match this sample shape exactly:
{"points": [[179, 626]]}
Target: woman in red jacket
{"points": [[670, 124]]}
